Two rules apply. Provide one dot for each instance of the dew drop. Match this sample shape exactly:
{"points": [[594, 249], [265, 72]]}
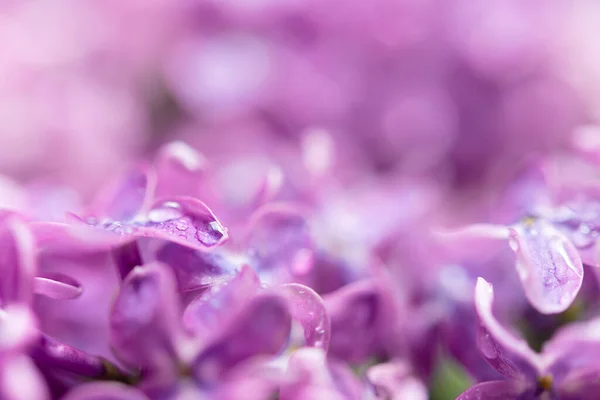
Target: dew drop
{"points": [[488, 347], [210, 234], [181, 225]]}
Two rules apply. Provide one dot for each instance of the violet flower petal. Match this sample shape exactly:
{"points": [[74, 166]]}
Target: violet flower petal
{"points": [[573, 352], [53, 355], [476, 240], [257, 375], [307, 307], [18, 328], [307, 366], [105, 391], [208, 314], [128, 196], [127, 257], [548, 264], [310, 375], [145, 317], [197, 270], [183, 220], [346, 381], [510, 356], [279, 243], [20, 380], [64, 238], [495, 390], [180, 169], [361, 315], [395, 381], [263, 328], [581, 390], [269, 187], [18, 262], [313, 393], [57, 286]]}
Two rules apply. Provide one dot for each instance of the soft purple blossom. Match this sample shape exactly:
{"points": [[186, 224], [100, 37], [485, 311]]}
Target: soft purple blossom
{"points": [[565, 368]]}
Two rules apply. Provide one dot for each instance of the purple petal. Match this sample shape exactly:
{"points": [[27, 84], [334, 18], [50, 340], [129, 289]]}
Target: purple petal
{"points": [[307, 367], [105, 391], [221, 304], [126, 197], [510, 356], [180, 170], [476, 240], [395, 381], [183, 220], [262, 328], [58, 237], [279, 243], [196, 270], [82, 322], [581, 390], [53, 355], [310, 376], [495, 390], [573, 352], [18, 328], [20, 380], [57, 286], [145, 317], [347, 383], [270, 186], [126, 257], [239, 389], [313, 393], [18, 262], [307, 307], [361, 315], [548, 264]]}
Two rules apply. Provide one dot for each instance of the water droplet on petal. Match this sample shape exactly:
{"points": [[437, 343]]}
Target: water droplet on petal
{"points": [[488, 347], [210, 234], [181, 225]]}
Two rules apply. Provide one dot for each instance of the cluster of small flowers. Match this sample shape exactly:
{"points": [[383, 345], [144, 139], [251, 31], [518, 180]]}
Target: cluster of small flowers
{"points": [[350, 189], [145, 294]]}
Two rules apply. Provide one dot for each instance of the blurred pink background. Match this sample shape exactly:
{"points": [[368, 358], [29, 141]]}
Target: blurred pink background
{"points": [[456, 92]]}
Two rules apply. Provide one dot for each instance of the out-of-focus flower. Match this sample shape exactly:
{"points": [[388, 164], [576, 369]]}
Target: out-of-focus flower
{"points": [[105, 391], [73, 97]]}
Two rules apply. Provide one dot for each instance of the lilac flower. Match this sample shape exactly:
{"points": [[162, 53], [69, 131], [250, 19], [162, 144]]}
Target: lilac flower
{"points": [[365, 318], [548, 264], [19, 325], [19, 377], [565, 369], [19, 267], [131, 212], [278, 176], [223, 329]]}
